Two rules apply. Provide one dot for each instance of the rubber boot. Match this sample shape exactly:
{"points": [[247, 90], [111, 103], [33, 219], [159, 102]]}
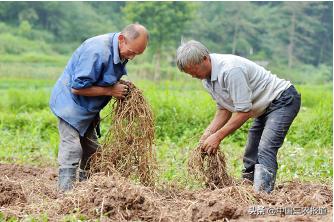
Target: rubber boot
{"points": [[83, 175], [67, 177], [264, 178], [248, 176]]}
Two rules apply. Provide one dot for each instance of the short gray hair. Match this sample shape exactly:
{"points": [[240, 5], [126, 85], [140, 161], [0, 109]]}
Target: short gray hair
{"points": [[190, 53], [133, 31]]}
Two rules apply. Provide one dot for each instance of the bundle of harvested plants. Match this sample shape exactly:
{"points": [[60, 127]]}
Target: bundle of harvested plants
{"points": [[210, 169], [128, 145]]}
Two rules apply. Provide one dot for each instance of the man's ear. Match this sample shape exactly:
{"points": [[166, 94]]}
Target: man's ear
{"points": [[121, 38]]}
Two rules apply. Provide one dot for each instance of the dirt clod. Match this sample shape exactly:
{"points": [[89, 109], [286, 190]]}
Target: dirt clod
{"points": [[10, 193]]}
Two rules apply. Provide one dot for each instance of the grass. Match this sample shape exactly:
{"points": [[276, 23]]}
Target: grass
{"points": [[182, 109]]}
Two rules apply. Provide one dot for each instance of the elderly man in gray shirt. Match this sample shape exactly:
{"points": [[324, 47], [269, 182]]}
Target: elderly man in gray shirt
{"points": [[243, 90]]}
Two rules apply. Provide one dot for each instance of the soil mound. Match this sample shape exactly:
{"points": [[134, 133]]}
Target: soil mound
{"points": [[11, 193]]}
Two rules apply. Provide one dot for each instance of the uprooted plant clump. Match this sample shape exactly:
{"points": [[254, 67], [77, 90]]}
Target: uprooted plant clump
{"points": [[128, 145], [209, 169]]}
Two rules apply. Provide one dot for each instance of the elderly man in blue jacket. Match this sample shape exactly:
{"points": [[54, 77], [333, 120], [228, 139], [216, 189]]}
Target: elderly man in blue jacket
{"points": [[89, 81]]}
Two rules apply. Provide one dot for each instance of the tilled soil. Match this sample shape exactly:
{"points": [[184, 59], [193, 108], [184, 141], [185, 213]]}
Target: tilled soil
{"points": [[26, 190]]}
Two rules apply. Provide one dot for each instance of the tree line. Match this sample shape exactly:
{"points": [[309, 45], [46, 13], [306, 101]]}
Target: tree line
{"points": [[286, 33]]}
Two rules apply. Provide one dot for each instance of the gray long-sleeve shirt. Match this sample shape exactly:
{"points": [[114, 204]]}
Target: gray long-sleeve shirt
{"points": [[240, 85]]}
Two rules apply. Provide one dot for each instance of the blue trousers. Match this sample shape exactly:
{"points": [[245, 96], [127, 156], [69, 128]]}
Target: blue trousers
{"points": [[268, 131]]}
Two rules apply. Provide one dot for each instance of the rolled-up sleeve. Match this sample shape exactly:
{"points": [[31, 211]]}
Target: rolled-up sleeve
{"points": [[87, 70], [239, 90]]}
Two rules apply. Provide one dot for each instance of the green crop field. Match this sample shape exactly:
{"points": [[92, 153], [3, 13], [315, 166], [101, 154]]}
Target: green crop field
{"points": [[182, 110]]}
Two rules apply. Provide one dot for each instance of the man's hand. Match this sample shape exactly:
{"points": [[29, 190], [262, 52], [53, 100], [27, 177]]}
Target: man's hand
{"points": [[205, 135], [118, 90], [128, 83], [211, 144]]}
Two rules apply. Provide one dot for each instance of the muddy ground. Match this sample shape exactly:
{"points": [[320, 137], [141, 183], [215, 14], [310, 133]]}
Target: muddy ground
{"points": [[26, 190]]}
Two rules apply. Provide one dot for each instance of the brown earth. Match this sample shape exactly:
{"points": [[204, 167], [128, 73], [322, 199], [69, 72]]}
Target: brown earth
{"points": [[26, 190]]}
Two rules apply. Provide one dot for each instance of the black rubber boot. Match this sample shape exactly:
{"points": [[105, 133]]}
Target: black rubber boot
{"points": [[67, 177], [248, 176], [264, 178], [83, 175]]}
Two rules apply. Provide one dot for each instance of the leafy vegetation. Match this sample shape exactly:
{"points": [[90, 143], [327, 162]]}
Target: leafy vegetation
{"points": [[37, 38]]}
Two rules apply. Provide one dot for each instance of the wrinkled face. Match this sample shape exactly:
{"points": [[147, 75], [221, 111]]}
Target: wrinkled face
{"points": [[128, 49], [199, 71]]}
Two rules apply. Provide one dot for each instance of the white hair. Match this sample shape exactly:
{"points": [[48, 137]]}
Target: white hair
{"points": [[190, 53]]}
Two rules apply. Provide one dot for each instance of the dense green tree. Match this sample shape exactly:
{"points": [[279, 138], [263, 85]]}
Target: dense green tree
{"points": [[207, 26], [68, 21], [240, 25], [295, 33], [230, 27], [166, 22], [298, 28], [324, 36], [111, 11], [285, 32]]}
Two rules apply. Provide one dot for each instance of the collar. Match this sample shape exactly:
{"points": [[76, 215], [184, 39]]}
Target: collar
{"points": [[117, 58], [214, 71]]}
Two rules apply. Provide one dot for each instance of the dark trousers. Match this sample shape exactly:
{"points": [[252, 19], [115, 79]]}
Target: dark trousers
{"points": [[268, 131]]}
